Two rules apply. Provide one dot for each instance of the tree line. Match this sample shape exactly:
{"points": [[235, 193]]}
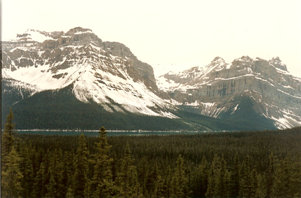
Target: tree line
{"points": [[245, 164]]}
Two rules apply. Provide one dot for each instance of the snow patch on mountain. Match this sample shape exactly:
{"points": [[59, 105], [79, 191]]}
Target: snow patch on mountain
{"points": [[103, 88], [43, 78], [84, 32], [166, 84], [235, 108], [32, 35], [287, 119]]}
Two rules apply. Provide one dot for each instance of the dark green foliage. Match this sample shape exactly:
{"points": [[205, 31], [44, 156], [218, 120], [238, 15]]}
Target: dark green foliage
{"points": [[245, 178], [102, 184], [81, 169], [249, 164], [216, 177], [261, 187], [286, 178], [7, 137], [127, 176], [246, 118], [179, 181], [12, 175], [199, 180], [40, 181], [56, 186], [228, 184], [27, 168]]}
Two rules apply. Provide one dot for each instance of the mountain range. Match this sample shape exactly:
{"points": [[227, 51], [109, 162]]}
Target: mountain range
{"points": [[74, 80]]}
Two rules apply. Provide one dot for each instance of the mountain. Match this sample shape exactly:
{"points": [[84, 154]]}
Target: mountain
{"points": [[103, 73], [75, 80], [99, 71], [254, 92]]}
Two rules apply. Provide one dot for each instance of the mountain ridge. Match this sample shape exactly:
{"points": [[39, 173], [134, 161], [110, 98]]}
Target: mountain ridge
{"points": [[217, 84], [40, 64]]}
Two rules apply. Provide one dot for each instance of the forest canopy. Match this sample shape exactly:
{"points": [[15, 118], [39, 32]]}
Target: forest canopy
{"points": [[236, 164]]}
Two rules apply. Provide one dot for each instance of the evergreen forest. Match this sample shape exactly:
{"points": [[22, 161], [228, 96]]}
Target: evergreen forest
{"points": [[234, 164]]}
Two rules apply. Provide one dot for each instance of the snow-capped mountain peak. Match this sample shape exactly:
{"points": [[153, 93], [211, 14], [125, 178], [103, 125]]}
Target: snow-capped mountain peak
{"points": [[79, 30], [276, 62], [32, 35], [218, 64], [106, 73]]}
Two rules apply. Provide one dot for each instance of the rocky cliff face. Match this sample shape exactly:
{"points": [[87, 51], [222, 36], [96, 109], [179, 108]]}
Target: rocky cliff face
{"points": [[216, 90], [138, 70]]}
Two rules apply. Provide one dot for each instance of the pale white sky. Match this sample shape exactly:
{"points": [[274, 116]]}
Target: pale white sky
{"points": [[172, 34]]}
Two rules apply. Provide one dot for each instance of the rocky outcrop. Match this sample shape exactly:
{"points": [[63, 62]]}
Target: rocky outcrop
{"points": [[137, 69]]}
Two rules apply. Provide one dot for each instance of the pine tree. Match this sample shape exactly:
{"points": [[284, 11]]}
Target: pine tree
{"points": [[200, 179], [247, 178], [51, 186], [40, 181], [7, 138], [69, 193], [127, 177], [102, 184], [159, 190], [235, 176], [261, 187], [142, 174], [272, 160], [157, 184], [12, 175], [151, 176], [81, 165], [280, 180], [69, 172], [295, 179], [27, 170], [179, 180], [56, 187], [228, 184], [167, 183], [253, 183], [215, 176]]}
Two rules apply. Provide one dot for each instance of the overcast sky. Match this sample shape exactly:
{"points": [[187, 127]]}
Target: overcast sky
{"points": [[172, 34]]}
